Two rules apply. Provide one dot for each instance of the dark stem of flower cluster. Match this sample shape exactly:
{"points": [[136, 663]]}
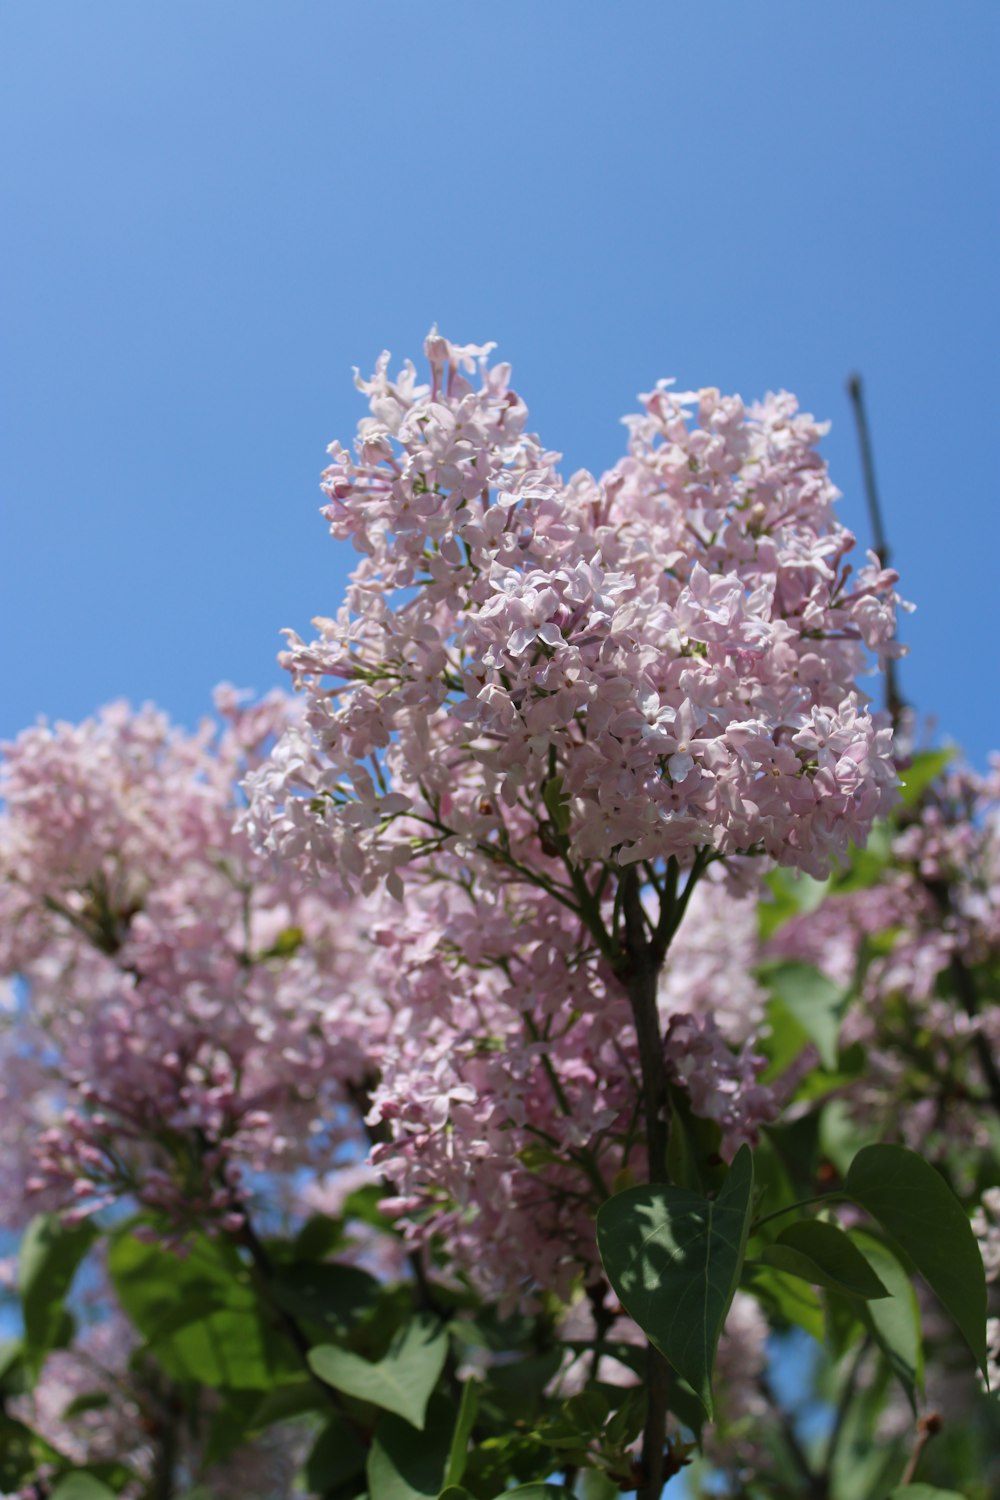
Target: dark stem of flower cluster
{"points": [[640, 971], [894, 701], [290, 1326], [968, 994], [965, 988], [165, 1450]]}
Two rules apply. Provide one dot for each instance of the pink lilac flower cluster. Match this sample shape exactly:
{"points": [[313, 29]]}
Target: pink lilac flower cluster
{"points": [[507, 1099], [193, 1013], [677, 642], [534, 684], [919, 944], [953, 849], [986, 1223], [96, 1403], [506, 1090], [113, 1426], [193, 1016], [737, 1437], [712, 1013]]}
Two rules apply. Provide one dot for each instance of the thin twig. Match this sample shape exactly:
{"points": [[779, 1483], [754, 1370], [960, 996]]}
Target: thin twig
{"points": [[967, 993], [855, 390], [894, 700], [927, 1427], [264, 1275], [165, 1425]]}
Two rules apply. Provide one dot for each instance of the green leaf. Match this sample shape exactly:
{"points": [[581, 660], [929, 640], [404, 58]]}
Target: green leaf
{"points": [[464, 1422], [50, 1254], [12, 1371], [685, 1406], [842, 1135], [199, 1313], [331, 1296], [625, 1425], [923, 770], [402, 1381], [894, 1322], [288, 1400], [536, 1492], [915, 1205], [88, 1401], [674, 1260], [594, 1485], [81, 1486], [319, 1236], [515, 1391], [814, 1001], [693, 1146], [363, 1204], [588, 1410], [783, 1039], [286, 944], [795, 1143], [408, 1465], [924, 1492], [788, 1301], [18, 1454], [556, 804], [338, 1454], [791, 893], [228, 1425], [823, 1254]]}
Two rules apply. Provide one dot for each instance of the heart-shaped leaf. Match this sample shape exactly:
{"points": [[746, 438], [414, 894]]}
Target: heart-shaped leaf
{"points": [[81, 1486], [924, 1492], [674, 1259], [537, 1492], [400, 1382], [408, 1465]]}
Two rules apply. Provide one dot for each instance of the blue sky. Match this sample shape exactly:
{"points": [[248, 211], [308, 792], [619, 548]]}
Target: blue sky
{"points": [[213, 211]]}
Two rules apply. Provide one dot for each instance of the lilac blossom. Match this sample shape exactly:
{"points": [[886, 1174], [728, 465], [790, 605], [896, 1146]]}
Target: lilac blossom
{"points": [[678, 641], [194, 1016]]}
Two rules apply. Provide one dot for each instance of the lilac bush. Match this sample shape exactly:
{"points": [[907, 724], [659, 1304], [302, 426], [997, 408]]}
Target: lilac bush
{"points": [[481, 1067]]}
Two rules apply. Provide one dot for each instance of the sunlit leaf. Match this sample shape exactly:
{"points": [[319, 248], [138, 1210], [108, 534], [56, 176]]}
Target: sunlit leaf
{"points": [[674, 1259], [199, 1313]]}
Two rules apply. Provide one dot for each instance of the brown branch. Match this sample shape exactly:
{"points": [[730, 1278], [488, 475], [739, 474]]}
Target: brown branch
{"points": [[927, 1427], [968, 996], [639, 972], [894, 701], [298, 1338]]}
